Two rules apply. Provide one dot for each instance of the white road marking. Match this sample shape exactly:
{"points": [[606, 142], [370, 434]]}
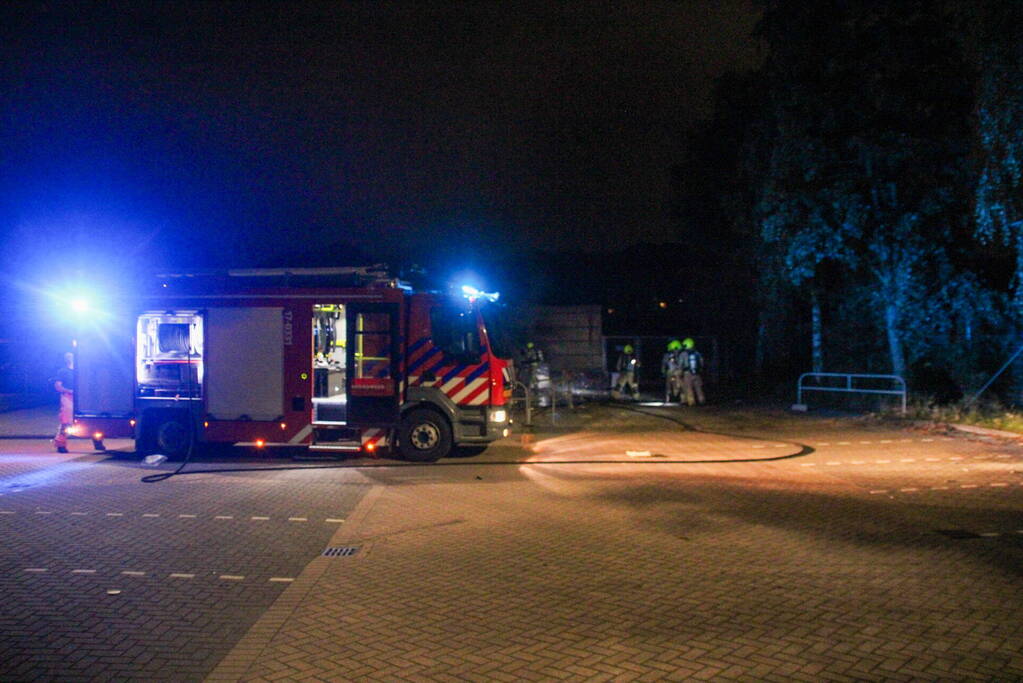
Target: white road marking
{"points": [[115, 514], [83, 571], [332, 520], [909, 489], [131, 573], [261, 518], [905, 440], [151, 514], [280, 579], [808, 464], [866, 442], [186, 516], [998, 484], [638, 454], [883, 462], [833, 462], [37, 570], [856, 462], [933, 459], [297, 519], [44, 512], [232, 577], [79, 514], [7, 512], [880, 491], [968, 486], [956, 458], [181, 576], [224, 517], [908, 460], [927, 440], [885, 441], [844, 443], [939, 488]]}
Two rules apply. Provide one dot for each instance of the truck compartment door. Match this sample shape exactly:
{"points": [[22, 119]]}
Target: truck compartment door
{"points": [[245, 363], [105, 368], [372, 379]]}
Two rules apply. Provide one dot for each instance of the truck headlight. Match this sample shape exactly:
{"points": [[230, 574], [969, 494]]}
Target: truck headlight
{"points": [[499, 415]]}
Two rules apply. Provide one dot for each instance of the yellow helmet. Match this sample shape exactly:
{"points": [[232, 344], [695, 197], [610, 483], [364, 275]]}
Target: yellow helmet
{"points": [[688, 342], [674, 345], [628, 348]]}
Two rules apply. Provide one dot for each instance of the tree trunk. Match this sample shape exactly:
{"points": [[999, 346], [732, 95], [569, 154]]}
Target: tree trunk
{"points": [[761, 350], [891, 318], [817, 332]]}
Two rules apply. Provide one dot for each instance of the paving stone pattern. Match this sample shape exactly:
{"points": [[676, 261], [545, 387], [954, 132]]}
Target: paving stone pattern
{"points": [[87, 529], [863, 559]]}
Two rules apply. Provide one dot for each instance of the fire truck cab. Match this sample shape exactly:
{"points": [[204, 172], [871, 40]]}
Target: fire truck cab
{"points": [[336, 359]]}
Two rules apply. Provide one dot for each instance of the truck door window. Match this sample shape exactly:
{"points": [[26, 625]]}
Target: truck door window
{"points": [[454, 331], [372, 345]]}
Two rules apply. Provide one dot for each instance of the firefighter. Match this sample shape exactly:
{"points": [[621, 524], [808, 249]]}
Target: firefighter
{"points": [[692, 367], [64, 383], [628, 372], [531, 358], [671, 370]]}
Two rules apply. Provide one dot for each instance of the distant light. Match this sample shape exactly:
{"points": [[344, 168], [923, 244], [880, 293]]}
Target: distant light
{"points": [[74, 430], [80, 305], [662, 304], [371, 447], [284, 425], [131, 422], [260, 443], [97, 436]]}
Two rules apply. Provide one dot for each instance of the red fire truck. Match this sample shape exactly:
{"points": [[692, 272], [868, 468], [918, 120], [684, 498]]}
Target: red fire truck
{"points": [[336, 359]]}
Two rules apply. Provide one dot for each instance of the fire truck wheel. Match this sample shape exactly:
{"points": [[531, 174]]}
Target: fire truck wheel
{"points": [[172, 438], [424, 436]]}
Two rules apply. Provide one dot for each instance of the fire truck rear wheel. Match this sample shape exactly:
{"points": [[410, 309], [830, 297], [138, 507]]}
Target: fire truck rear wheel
{"points": [[172, 438], [424, 436]]}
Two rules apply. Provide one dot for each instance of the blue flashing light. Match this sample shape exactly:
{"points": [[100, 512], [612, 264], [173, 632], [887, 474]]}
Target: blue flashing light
{"points": [[472, 294], [80, 305]]}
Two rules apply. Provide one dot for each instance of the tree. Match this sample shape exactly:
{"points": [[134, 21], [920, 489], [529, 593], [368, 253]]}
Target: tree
{"points": [[869, 124]]}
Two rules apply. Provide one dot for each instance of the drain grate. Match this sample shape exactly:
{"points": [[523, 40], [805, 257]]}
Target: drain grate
{"points": [[958, 534], [341, 551]]}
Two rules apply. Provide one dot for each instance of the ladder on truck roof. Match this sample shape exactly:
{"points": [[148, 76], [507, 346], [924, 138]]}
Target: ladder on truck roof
{"points": [[376, 274]]}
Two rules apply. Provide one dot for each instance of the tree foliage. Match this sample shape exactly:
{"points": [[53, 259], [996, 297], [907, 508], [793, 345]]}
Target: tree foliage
{"points": [[859, 191]]}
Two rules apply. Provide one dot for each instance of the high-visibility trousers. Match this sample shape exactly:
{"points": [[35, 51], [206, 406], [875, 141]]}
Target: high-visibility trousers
{"points": [[66, 417]]}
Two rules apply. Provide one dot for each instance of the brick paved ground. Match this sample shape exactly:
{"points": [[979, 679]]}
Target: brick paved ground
{"points": [[105, 577], [619, 546]]}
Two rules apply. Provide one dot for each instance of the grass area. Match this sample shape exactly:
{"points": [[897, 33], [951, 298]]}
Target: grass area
{"points": [[992, 415]]}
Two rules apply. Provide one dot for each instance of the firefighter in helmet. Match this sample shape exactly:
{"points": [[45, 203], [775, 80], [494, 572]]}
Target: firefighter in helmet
{"points": [[530, 359], [671, 370], [692, 369], [628, 372]]}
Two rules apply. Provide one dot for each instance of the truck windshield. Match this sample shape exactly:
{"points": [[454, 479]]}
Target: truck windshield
{"points": [[500, 343]]}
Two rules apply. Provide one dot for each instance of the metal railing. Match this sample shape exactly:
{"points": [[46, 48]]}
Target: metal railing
{"points": [[849, 387], [551, 393]]}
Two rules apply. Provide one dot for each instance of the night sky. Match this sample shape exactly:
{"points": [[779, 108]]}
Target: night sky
{"points": [[204, 134]]}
